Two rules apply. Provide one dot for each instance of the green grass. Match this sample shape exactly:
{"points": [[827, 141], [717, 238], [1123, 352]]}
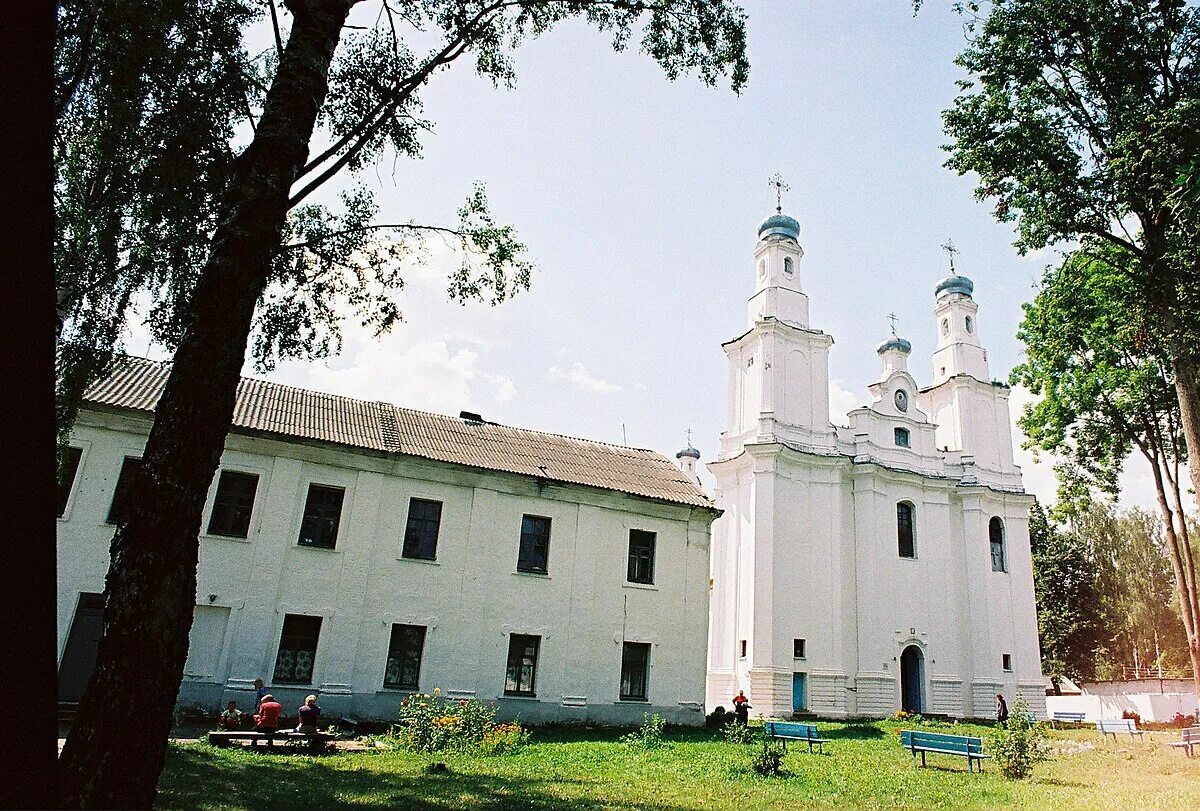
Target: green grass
{"points": [[864, 767]]}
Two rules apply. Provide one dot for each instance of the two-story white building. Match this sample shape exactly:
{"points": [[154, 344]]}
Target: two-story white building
{"points": [[879, 565], [362, 551]]}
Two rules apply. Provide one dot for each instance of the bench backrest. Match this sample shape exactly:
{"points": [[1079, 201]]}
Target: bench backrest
{"points": [[1117, 725], [1191, 735], [963, 744], [792, 730], [1069, 716]]}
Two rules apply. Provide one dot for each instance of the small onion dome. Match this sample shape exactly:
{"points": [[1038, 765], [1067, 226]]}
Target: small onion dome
{"points": [[954, 284], [688, 451], [895, 342], [779, 225]]}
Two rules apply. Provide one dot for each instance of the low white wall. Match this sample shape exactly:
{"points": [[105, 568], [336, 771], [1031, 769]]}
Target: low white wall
{"points": [[1157, 707]]}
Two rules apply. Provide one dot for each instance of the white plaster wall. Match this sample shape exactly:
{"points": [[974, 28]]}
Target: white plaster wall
{"points": [[1152, 707], [470, 598]]}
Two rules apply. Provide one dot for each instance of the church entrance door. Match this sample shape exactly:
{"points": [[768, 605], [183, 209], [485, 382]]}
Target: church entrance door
{"points": [[912, 679], [79, 656]]}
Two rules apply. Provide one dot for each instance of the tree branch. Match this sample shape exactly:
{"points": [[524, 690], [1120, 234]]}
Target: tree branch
{"points": [[275, 26], [377, 227]]}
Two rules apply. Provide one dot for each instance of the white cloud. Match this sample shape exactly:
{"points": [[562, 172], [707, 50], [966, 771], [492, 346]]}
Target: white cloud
{"points": [[579, 377], [841, 402]]}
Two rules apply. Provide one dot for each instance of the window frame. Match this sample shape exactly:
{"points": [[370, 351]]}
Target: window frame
{"points": [[65, 489], [742, 649], [997, 542], [1006, 662], [302, 635], [900, 432], [641, 651], [404, 652], [911, 527], [305, 518], [518, 652], [417, 527], [641, 557], [220, 532], [799, 648], [527, 550], [121, 490]]}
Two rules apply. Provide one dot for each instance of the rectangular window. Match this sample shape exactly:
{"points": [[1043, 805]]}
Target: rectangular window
{"points": [[902, 437], [522, 664], [742, 648], [797, 648], [641, 556], [66, 478], [233, 504], [322, 515], [1006, 661], [421, 534], [404, 657], [297, 649], [635, 671], [129, 469], [535, 544], [904, 530]]}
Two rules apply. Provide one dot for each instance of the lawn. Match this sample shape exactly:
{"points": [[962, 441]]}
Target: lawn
{"points": [[864, 766]]}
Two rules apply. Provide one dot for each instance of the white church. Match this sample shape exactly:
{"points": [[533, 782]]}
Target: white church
{"points": [[881, 565]]}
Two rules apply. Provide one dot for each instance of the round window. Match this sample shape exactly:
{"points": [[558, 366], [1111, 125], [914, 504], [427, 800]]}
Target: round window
{"points": [[901, 399]]}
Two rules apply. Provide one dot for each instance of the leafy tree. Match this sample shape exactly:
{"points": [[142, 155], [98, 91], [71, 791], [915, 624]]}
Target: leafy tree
{"points": [[1106, 387], [1068, 602], [268, 268], [1082, 122]]}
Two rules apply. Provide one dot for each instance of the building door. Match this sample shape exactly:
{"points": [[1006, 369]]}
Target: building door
{"points": [[79, 656], [912, 679], [799, 692]]}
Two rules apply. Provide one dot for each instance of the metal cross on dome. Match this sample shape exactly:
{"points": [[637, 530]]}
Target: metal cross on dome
{"points": [[891, 317], [780, 186], [689, 437], [949, 248]]}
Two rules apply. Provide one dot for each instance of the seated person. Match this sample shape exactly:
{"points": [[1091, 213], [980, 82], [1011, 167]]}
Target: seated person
{"points": [[309, 713], [231, 719], [267, 719]]}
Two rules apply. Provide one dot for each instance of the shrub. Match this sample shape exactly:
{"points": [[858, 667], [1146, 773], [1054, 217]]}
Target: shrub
{"points": [[429, 723], [1180, 720], [738, 733], [718, 718], [1018, 745], [1130, 714], [649, 735], [767, 759]]}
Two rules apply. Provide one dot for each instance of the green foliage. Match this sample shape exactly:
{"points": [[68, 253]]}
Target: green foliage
{"points": [[738, 733], [767, 758], [649, 735], [430, 723], [1018, 745], [719, 718]]}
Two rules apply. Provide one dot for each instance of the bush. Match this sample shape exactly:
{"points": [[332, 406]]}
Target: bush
{"points": [[429, 723], [738, 733], [1180, 720], [1131, 715], [718, 718], [1018, 745], [767, 760], [649, 735]]}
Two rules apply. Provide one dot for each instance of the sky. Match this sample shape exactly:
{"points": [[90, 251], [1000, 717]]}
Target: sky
{"points": [[639, 199]]}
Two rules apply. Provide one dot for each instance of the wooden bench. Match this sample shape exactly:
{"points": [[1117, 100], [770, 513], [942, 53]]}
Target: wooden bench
{"points": [[1068, 717], [314, 742], [791, 731], [941, 744], [1119, 725], [1190, 737]]}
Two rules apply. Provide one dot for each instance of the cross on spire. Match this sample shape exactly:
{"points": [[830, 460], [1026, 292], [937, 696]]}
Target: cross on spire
{"points": [[780, 186], [949, 248], [891, 317], [689, 437]]}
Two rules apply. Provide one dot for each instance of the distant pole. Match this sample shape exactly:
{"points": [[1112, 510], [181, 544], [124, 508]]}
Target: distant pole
{"points": [[624, 437]]}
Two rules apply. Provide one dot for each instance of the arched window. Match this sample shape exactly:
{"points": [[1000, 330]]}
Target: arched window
{"points": [[762, 269], [970, 323], [904, 529], [996, 540], [903, 438], [945, 326], [788, 266]]}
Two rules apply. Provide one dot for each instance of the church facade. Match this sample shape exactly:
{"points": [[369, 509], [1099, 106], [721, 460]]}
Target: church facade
{"points": [[880, 565]]}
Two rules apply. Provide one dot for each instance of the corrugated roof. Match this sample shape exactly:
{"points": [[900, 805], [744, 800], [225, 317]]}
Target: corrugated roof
{"points": [[137, 383]]}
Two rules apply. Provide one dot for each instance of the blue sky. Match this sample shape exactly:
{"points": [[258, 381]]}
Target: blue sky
{"points": [[639, 198]]}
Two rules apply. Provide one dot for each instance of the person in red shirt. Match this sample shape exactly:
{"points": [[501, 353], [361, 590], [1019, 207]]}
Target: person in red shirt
{"points": [[741, 707], [267, 719]]}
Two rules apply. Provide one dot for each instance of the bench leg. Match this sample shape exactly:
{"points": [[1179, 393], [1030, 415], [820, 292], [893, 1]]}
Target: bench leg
{"points": [[922, 758], [970, 764]]}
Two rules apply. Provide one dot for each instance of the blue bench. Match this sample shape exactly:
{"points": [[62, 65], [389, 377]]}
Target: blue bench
{"points": [[1190, 738], [1120, 725], [1068, 717], [790, 731], [941, 744]]}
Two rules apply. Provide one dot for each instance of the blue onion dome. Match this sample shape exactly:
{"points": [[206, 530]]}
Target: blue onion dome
{"points": [[954, 284], [688, 451], [779, 225], [895, 342]]}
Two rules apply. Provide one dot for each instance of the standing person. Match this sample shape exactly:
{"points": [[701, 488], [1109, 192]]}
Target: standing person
{"points": [[260, 690], [267, 717], [309, 714], [1001, 709], [741, 708]]}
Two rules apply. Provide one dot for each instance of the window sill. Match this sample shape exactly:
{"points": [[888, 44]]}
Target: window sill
{"points": [[632, 701], [542, 575], [644, 586], [425, 561], [317, 548], [518, 697], [210, 537], [401, 690]]}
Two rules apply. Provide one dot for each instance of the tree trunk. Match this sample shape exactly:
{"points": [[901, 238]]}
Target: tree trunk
{"points": [[1187, 391], [117, 747]]}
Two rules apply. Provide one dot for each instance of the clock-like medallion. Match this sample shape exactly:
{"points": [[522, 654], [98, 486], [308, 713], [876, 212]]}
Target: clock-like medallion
{"points": [[902, 399]]}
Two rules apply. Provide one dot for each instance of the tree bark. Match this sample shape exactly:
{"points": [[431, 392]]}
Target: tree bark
{"points": [[117, 747], [1187, 392]]}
